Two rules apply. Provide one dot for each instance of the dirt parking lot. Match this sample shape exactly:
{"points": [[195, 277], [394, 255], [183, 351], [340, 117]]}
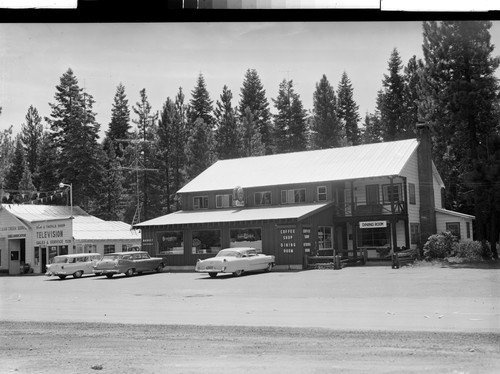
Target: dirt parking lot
{"points": [[357, 320]]}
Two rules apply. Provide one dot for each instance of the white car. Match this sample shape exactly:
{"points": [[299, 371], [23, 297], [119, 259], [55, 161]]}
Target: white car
{"points": [[236, 261], [75, 265]]}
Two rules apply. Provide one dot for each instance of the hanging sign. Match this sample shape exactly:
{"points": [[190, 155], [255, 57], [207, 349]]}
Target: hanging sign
{"points": [[372, 224]]}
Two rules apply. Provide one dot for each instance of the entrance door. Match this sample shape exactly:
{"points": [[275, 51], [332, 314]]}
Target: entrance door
{"points": [[43, 257]]}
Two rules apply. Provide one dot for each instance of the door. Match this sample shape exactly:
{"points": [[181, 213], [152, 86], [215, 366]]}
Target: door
{"points": [[15, 262], [44, 259]]}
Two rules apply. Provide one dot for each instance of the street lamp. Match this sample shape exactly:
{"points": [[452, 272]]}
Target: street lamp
{"points": [[62, 185]]}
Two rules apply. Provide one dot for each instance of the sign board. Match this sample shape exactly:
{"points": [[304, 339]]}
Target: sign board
{"points": [[372, 224], [287, 237]]}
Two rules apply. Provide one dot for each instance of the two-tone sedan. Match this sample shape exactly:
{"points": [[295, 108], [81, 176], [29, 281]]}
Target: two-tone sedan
{"points": [[235, 261], [128, 263]]}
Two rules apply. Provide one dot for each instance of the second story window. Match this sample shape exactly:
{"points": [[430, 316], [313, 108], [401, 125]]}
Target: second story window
{"points": [[392, 193], [223, 201], [293, 196], [322, 193], [262, 198], [200, 202]]}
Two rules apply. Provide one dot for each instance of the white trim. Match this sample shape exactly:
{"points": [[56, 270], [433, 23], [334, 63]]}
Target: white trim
{"points": [[452, 213]]}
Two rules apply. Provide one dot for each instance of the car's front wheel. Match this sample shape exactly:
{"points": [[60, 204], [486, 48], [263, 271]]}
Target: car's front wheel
{"points": [[78, 274], [237, 273], [109, 275], [159, 268], [62, 276], [269, 268], [212, 275], [129, 272]]}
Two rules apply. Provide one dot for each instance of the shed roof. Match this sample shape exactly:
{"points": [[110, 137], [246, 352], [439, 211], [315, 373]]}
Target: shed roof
{"points": [[97, 229], [184, 217], [362, 161], [39, 213]]}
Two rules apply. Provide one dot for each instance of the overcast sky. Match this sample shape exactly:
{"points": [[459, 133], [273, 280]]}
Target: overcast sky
{"points": [[161, 57]]}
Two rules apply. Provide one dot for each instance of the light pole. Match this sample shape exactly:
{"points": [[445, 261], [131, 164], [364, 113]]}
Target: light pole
{"points": [[61, 185]]}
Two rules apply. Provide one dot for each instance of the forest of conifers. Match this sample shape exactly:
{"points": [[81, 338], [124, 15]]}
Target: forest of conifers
{"points": [[148, 154]]}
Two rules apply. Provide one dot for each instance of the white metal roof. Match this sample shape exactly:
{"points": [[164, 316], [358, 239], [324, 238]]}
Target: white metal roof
{"points": [[455, 214], [97, 229], [362, 161], [183, 217], [39, 213]]}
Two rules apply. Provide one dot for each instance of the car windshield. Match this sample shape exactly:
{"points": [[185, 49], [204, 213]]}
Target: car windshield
{"points": [[228, 253]]}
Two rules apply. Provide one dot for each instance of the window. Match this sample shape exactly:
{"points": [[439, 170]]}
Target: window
{"points": [[262, 198], [293, 196], [454, 228], [411, 193], [171, 243], [124, 247], [392, 193], [223, 201], [467, 227], [374, 237], [414, 233], [372, 197], [246, 237], [325, 237], [322, 193], [200, 202], [109, 248], [206, 241]]}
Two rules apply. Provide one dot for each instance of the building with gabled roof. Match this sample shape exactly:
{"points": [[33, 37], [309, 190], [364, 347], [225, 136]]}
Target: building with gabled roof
{"points": [[34, 234], [366, 200]]}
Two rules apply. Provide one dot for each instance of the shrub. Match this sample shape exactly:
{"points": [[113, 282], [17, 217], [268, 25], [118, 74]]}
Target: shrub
{"points": [[470, 250], [440, 245]]}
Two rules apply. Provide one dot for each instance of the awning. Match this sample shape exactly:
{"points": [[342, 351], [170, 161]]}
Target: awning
{"points": [[182, 217]]}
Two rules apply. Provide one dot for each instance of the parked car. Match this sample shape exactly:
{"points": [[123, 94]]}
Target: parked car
{"points": [[128, 263], [75, 265], [236, 261]]}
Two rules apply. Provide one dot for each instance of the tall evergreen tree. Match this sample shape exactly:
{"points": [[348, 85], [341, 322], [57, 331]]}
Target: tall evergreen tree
{"points": [[109, 206], [251, 138], [290, 121], [325, 125], [227, 135], [32, 138], [200, 149], [146, 138], [201, 104], [253, 96], [462, 108], [26, 187], [74, 134], [47, 167], [347, 110], [15, 173], [7, 147], [119, 126], [391, 101], [412, 95]]}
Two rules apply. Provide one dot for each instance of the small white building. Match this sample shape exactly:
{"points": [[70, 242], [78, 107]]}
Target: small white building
{"points": [[34, 234]]}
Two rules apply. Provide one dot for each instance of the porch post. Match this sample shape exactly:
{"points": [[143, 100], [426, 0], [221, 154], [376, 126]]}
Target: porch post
{"points": [[394, 222]]}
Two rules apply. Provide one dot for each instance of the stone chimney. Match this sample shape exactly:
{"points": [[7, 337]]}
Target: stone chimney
{"points": [[426, 183]]}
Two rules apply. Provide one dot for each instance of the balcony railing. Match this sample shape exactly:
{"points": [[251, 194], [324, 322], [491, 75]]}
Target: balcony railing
{"points": [[363, 209]]}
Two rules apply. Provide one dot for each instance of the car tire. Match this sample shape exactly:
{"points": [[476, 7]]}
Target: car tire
{"points": [[212, 275], [129, 272], [78, 274], [159, 268], [109, 276], [62, 276], [269, 267], [237, 273]]}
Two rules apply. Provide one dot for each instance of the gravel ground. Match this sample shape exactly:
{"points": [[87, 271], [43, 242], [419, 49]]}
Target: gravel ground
{"points": [[417, 319]]}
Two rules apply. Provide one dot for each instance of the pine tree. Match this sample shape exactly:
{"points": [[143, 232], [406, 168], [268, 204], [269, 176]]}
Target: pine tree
{"points": [[325, 125], [200, 149], [119, 126], [372, 129], [347, 110], [391, 101], [253, 96], [32, 138], [290, 121], [227, 135], [15, 173], [47, 167], [412, 95], [147, 136], [26, 188], [251, 139], [7, 147], [74, 136], [462, 108], [200, 104], [111, 187]]}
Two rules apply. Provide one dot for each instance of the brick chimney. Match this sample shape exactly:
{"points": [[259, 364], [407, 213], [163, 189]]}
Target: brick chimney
{"points": [[426, 183]]}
